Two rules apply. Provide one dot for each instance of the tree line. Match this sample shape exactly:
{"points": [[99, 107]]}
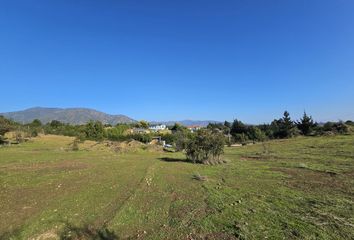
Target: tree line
{"points": [[203, 146], [281, 128]]}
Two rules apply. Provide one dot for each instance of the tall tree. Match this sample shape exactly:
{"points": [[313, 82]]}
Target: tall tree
{"points": [[283, 127], [306, 124], [287, 125], [238, 127], [227, 124], [94, 130]]}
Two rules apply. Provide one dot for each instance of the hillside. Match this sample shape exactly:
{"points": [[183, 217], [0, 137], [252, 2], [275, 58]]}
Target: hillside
{"points": [[66, 115]]}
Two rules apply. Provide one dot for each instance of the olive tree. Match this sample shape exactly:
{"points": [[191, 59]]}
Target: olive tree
{"points": [[205, 147]]}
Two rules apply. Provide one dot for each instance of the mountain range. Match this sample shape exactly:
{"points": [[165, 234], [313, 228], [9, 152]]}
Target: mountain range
{"points": [[83, 115], [66, 115]]}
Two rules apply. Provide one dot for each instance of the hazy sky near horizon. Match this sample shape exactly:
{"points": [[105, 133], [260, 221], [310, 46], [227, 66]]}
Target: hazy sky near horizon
{"points": [[173, 60]]}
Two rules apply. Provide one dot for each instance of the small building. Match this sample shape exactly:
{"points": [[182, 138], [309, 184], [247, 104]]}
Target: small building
{"points": [[194, 128], [157, 128]]}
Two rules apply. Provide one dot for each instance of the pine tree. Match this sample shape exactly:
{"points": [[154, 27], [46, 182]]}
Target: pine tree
{"points": [[306, 124]]}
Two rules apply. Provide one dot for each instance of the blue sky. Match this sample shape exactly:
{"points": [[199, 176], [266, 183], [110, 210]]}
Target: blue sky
{"points": [[172, 60]]}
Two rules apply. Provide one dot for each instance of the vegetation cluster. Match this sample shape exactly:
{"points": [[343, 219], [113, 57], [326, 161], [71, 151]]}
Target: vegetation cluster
{"points": [[201, 146]]}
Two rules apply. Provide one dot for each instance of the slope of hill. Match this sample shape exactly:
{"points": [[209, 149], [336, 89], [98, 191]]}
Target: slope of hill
{"points": [[66, 115]]}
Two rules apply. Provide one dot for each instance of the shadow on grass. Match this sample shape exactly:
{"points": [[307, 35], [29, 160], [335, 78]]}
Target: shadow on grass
{"points": [[87, 232], [168, 159]]}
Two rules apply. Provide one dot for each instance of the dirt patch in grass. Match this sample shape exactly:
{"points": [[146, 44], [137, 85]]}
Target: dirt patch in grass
{"points": [[310, 180]]}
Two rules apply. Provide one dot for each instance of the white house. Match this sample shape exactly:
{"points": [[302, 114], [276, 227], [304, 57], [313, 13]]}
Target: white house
{"points": [[157, 128]]}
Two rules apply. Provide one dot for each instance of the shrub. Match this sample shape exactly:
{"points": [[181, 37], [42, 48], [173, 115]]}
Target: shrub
{"points": [[205, 147], [240, 138], [336, 127], [117, 133], [144, 138], [75, 144], [19, 136], [169, 138]]}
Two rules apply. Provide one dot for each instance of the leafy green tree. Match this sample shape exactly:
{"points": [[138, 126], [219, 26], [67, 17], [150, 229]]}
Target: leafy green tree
{"points": [[6, 125], [181, 139], [178, 127], [256, 134], [240, 138], [55, 124], [267, 129], [205, 147], [143, 124], [117, 133], [238, 127], [94, 130], [306, 124], [36, 123]]}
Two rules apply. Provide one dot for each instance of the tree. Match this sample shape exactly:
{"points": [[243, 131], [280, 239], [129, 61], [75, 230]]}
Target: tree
{"points": [[94, 130], [55, 124], [181, 139], [238, 127], [5, 125], [36, 123], [288, 124], [283, 127], [205, 147], [143, 124], [306, 124], [227, 124], [267, 129], [256, 134], [117, 133], [178, 127]]}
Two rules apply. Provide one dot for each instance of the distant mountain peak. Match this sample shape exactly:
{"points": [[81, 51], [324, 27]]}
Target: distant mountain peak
{"points": [[66, 115]]}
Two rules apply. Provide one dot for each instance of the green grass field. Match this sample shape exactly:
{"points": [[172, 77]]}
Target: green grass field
{"points": [[300, 188]]}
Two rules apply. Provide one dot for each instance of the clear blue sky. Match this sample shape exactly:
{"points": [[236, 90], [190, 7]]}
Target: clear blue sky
{"points": [[173, 60]]}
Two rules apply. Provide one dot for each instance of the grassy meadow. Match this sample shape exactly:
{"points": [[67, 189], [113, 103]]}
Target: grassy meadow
{"points": [[300, 188]]}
